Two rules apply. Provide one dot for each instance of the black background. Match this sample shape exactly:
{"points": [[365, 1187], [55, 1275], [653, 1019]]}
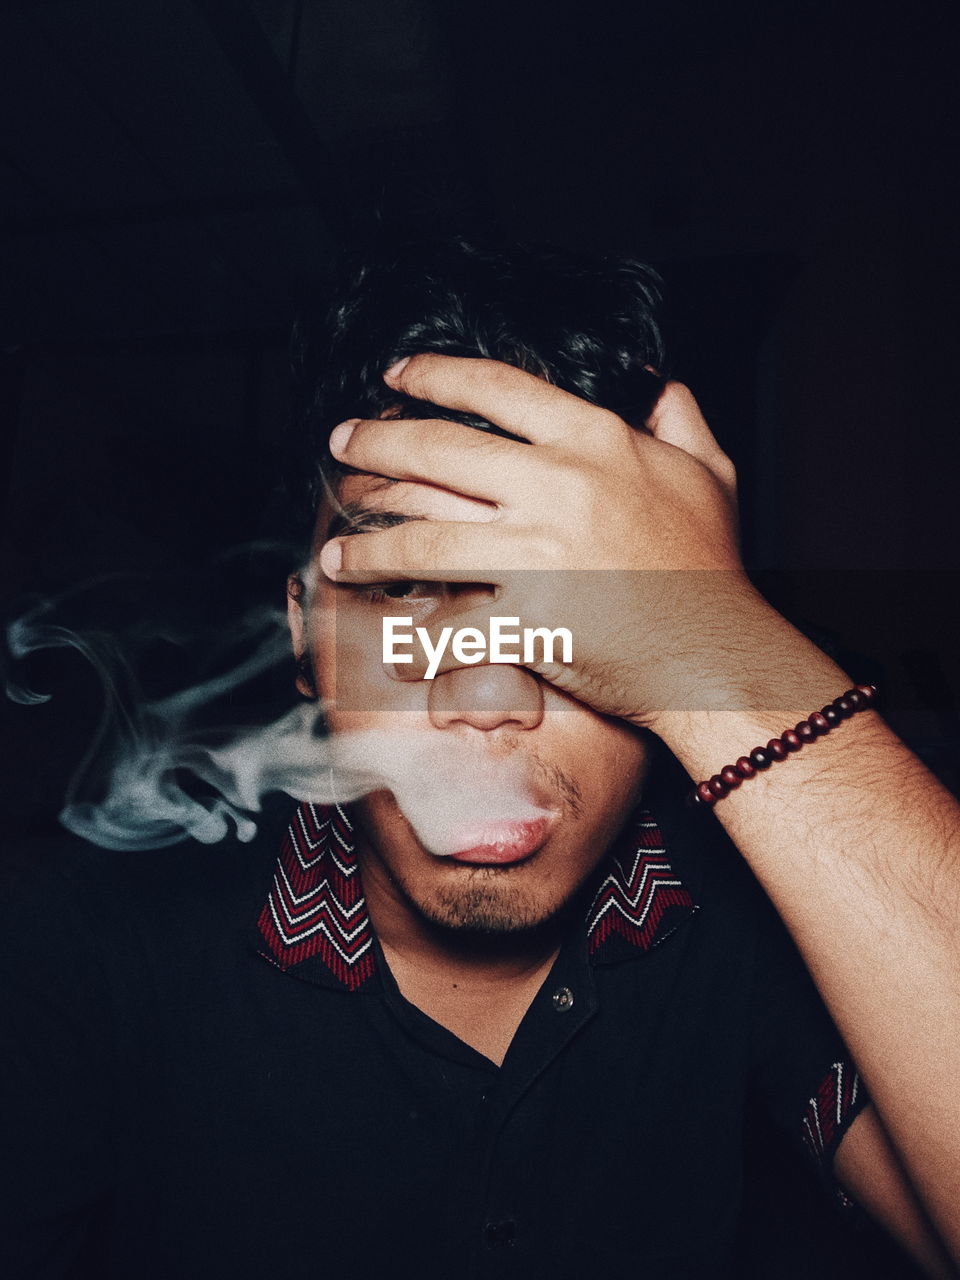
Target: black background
{"points": [[178, 175]]}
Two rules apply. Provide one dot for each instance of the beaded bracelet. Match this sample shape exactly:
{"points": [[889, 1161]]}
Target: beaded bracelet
{"points": [[859, 698]]}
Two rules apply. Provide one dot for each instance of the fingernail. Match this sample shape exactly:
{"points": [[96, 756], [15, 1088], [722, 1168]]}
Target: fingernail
{"points": [[395, 370], [340, 435], [331, 558]]}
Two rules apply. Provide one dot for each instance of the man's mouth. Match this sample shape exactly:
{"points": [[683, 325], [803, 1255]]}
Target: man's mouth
{"points": [[502, 841], [482, 809]]}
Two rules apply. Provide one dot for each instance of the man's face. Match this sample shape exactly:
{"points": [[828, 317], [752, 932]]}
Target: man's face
{"points": [[586, 769]]}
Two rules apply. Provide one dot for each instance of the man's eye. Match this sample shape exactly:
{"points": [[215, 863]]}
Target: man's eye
{"points": [[384, 593], [402, 591]]}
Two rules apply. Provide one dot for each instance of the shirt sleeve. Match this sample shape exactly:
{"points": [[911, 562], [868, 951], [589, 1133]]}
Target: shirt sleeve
{"points": [[802, 1072], [55, 1076]]}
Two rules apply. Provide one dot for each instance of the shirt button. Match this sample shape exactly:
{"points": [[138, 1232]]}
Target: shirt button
{"points": [[562, 999]]}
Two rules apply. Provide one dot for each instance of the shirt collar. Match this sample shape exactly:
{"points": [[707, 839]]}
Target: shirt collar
{"points": [[315, 924]]}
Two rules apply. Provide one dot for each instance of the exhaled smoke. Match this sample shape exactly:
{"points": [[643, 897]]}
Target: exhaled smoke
{"points": [[151, 778]]}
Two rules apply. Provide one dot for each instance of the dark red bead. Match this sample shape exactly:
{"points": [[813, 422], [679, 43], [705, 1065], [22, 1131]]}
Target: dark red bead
{"points": [[718, 786], [791, 740], [831, 715], [805, 731], [730, 776], [745, 768], [760, 759], [704, 794], [855, 699], [820, 722], [777, 749], [868, 693], [844, 706]]}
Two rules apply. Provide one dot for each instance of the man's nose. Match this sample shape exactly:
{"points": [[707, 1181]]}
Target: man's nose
{"points": [[486, 697]]}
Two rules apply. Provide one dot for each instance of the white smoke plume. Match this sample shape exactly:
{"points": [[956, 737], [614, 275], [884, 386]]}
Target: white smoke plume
{"points": [[151, 778]]}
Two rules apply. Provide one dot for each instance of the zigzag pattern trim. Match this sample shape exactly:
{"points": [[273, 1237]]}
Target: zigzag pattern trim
{"points": [[634, 898], [831, 1108], [316, 906]]}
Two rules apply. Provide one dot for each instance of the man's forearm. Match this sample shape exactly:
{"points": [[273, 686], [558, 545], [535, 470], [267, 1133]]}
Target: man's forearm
{"points": [[858, 847]]}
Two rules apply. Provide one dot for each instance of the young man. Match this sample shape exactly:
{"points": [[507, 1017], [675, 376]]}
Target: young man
{"points": [[535, 1054]]}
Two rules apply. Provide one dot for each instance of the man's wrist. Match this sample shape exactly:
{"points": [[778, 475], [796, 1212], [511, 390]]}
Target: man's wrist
{"points": [[765, 680]]}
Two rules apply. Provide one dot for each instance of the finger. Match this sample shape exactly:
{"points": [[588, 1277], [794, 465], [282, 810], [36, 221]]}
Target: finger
{"points": [[676, 419], [519, 402], [431, 550], [435, 452]]}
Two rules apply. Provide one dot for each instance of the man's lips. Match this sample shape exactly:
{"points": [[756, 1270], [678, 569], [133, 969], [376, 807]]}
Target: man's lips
{"points": [[503, 841]]}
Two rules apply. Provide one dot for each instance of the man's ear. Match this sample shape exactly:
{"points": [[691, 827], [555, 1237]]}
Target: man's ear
{"points": [[298, 635]]}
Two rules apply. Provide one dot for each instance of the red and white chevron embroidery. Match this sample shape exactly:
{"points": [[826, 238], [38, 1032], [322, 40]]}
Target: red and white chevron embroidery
{"points": [[316, 906], [637, 894], [828, 1110]]}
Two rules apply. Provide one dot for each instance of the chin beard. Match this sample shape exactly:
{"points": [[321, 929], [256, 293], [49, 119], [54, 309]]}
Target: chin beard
{"points": [[479, 911], [482, 914]]}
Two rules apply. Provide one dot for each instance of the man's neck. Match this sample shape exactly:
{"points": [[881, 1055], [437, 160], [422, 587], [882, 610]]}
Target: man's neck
{"points": [[475, 956], [477, 985]]}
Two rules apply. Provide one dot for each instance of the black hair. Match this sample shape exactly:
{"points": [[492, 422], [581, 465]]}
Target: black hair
{"points": [[586, 323]]}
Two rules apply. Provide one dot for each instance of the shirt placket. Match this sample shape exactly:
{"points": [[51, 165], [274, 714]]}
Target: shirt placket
{"points": [[510, 1240]]}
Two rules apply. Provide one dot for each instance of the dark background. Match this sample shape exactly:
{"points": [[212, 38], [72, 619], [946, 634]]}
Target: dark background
{"points": [[177, 177]]}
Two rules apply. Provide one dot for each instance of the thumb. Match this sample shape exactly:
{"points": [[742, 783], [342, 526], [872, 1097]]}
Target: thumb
{"points": [[676, 419]]}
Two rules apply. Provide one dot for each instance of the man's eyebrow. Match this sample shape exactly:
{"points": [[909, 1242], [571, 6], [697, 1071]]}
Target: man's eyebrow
{"points": [[354, 518]]}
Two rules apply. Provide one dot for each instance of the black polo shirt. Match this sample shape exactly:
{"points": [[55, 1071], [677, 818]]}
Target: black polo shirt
{"points": [[210, 1071]]}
